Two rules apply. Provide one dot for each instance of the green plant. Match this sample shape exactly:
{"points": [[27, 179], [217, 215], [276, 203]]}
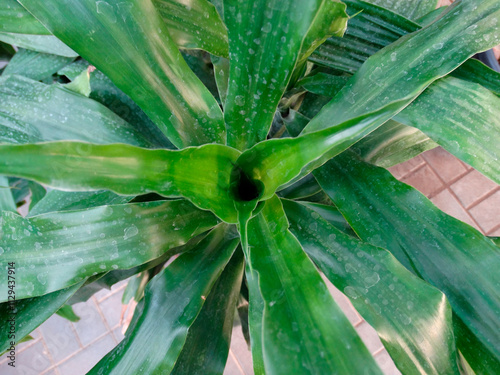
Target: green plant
{"points": [[290, 172]]}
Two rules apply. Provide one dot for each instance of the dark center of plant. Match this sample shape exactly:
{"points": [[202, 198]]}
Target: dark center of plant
{"points": [[244, 188]]}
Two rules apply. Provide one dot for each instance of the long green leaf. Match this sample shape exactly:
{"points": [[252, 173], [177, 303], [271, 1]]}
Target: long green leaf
{"points": [[173, 300], [475, 71], [370, 29], [383, 86], [468, 126], [393, 143], [303, 330], [255, 318], [31, 112], [194, 25], [369, 32], [390, 144], [260, 72], [35, 65], [55, 250], [29, 314], [207, 343], [142, 61], [106, 280], [57, 200], [412, 9], [40, 43], [105, 92], [447, 253], [412, 318], [201, 174], [15, 19]]}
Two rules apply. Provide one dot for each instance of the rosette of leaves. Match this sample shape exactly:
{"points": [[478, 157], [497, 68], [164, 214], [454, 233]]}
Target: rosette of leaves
{"points": [[248, 141]]}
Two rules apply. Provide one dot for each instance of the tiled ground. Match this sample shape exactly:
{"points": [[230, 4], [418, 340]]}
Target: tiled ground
{"points": [[67, 348]]}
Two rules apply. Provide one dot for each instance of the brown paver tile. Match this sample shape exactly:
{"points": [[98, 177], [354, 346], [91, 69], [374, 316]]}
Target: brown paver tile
{"points": [[90, 326], [111, 308], [447, 203], [88, 357], [401, 170], [369, 337], [386, 363], [119, 336], [472, 187], [33, 360], [487, 213], [495, 233], [232, 367], [102, 294], [59, 337], [447, 166], [424, 180], [241, 352]]}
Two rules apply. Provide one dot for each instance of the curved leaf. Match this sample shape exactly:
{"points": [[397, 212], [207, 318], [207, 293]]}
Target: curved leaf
{"points": [[447, 253], [194, 24], [303, 330], [207, 344], [201, 174], [172, 301], [35, 65], [388, 81], [55, 250], [31, 112], [369, 32], [143, 62], [468, 126], [412, 318], [260, 72], [30, 313]]}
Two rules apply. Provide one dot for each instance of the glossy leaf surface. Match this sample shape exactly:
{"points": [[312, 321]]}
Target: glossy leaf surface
{"points": [[35, 65], [7, 202], [57, 200], [468, 126], [15, 19], [56, 250], [201, 174], [259, 72], [375, 28], [393, 143], [207, 344], [40, 43], [383, 86], [172, 301], [32, 112], [303, 330], [30, 313], [447, 253], [194, 25], [105, 92], [144, 62], [412, 318], [411, 9]]}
